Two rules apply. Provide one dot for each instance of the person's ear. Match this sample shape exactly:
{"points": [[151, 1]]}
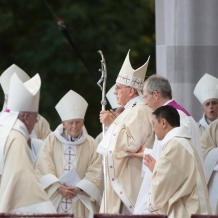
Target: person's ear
{"points": [[25, 118], [164, 123], [156, 94], [132, 91]]}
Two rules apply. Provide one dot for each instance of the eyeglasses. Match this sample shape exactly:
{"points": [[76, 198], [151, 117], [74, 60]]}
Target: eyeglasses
{"points": [[146, 96], [118, 88]]}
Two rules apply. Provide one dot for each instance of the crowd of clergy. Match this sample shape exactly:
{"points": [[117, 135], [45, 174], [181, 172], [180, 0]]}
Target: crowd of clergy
{"points": [[157, 158]]}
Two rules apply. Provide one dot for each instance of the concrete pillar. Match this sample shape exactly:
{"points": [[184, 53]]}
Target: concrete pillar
{"points": [[186, 46]]}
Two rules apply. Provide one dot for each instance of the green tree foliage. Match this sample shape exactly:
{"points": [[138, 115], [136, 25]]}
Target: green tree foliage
{"points": [[31, 39]]}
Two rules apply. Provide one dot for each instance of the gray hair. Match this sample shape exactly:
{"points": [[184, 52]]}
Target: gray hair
{"points": [[159, 84]]}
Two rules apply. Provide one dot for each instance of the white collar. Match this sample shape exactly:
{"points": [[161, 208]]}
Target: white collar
{"points": [[60, 130], [21, 127], [132, 101], [69, 137], [181, 132], [203, 121]]}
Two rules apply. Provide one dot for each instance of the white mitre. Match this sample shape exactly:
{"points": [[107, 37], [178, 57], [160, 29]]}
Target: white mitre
{"points": [[112, 98], [7, 74], [206, 88], [24, 96], [71, 106], [130, 77]]}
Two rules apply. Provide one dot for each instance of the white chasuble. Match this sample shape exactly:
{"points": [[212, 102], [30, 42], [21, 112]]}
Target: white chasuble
{"points": [[178, 186], [131, 129], [209, 145], [20, 190], [75, 164]]}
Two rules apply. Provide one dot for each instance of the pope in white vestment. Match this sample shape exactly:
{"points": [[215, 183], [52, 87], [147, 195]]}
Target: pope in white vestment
{"points": [[178, 183], [131, 129], [71, 161], [20, 190]]}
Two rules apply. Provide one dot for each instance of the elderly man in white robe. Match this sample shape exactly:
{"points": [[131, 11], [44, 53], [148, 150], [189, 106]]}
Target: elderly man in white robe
{"points": [[157, 92], [41, 129], [20, 190], [69, 168], [178, 181], [207, 94], [131, 129]]}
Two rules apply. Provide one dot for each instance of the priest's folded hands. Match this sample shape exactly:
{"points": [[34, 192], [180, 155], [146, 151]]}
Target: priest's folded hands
{"points": [[107, 117], [149, 161], [68, 191]]}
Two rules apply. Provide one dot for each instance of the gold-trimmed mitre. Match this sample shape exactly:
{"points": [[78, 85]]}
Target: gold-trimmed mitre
{"points": [[130, 77]]}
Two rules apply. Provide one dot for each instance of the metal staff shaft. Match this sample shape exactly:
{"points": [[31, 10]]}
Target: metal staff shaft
{"points": [[103, 79]]}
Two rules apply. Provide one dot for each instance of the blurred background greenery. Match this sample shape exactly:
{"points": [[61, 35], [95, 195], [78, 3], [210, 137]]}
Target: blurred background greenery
{"points": [[31, 39]]}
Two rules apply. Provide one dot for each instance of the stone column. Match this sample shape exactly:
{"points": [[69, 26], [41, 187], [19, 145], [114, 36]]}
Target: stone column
{"points": [[186, 46]]}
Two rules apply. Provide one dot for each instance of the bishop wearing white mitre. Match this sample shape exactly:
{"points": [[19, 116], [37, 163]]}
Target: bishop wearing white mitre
{"points": [[131, 129], [209, 145], [69, 168], [20, 190], [42, 128], [207, 94]]}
